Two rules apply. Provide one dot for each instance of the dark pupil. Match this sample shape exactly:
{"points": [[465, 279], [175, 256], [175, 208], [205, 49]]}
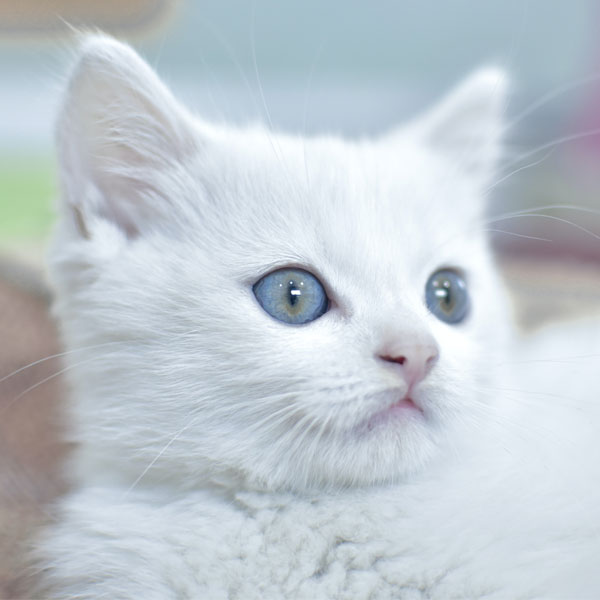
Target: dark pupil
{"points": [[294, 293], [443, 292]]}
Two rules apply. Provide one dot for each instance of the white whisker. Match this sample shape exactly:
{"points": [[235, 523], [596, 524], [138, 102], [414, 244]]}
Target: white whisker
{"points": [[548, 217], [46, 379], [58, 355], [573, 137], [519, 170], [551, 95], [173, 439]]}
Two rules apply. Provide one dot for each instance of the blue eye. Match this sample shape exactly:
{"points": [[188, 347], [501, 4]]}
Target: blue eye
{"points": [[293, 296], [447, 297]]}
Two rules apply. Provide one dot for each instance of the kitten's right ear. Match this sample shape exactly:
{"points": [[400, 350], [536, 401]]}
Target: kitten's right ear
{"points": [[467, 125], [121, 136]]}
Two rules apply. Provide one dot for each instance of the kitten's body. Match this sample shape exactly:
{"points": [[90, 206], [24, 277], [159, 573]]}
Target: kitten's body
{"points": [[478, 528], [225, 454]]}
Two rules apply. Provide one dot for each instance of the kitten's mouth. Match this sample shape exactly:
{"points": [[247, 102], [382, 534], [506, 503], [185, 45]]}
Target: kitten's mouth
{"points": [[401, 410]]}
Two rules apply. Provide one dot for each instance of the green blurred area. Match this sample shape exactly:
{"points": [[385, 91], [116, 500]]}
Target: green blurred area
{"points": [[27, 190]]}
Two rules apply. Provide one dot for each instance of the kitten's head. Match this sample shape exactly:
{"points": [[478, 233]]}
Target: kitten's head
{"points": [[292, 312]]}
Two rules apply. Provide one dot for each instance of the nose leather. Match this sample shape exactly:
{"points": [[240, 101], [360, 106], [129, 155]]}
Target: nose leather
{"points": [[414, 357]]}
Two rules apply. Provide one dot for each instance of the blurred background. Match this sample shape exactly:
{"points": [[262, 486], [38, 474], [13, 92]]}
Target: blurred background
{"points": [[350, 67]]}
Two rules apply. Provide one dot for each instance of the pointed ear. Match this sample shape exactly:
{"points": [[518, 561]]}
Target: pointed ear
{"points": [[120, 136], [467, 125]]}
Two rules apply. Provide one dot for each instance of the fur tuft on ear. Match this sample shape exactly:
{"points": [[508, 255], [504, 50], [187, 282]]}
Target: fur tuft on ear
{"points": [[120, 134], [467, 124]]}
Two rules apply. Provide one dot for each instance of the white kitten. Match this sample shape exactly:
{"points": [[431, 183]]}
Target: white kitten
{"points": [[294, 375]]}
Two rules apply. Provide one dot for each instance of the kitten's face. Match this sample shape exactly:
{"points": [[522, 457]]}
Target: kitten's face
{"points": [[168, 226]]}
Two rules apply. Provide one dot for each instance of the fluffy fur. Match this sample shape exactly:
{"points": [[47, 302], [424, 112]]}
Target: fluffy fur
{"points": [[223, 454]]}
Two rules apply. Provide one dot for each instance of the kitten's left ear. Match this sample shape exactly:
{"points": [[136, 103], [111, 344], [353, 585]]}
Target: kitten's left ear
{"points": [[467, 125]]}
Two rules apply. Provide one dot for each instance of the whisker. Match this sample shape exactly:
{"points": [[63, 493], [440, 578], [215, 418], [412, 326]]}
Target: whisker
{"points": [[534, 209], [549, 217], [58, 355], [285, 412], [46, 379], [518, 170], [314, 447], [173, 439], [273, 142], [519, 235], [551, 95], [557, 142], [305, 107], [255, 65], [302, 428], [220, 38]]}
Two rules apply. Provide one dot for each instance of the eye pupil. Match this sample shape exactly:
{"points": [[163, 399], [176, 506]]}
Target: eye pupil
{"points": [[447, 297], [295, 293]]}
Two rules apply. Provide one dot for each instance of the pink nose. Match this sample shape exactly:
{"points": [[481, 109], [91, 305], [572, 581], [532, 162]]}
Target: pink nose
{"points": [[415, 360]]}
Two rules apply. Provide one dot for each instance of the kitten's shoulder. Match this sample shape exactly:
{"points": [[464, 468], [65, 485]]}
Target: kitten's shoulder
{"points": [[397, 542]]}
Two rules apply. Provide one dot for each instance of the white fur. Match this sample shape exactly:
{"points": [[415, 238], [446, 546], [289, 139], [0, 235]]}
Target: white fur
{"points": [[223, 454]]}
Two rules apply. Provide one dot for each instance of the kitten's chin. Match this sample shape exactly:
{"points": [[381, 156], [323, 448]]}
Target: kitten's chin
{"points": [[391, 444]]}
